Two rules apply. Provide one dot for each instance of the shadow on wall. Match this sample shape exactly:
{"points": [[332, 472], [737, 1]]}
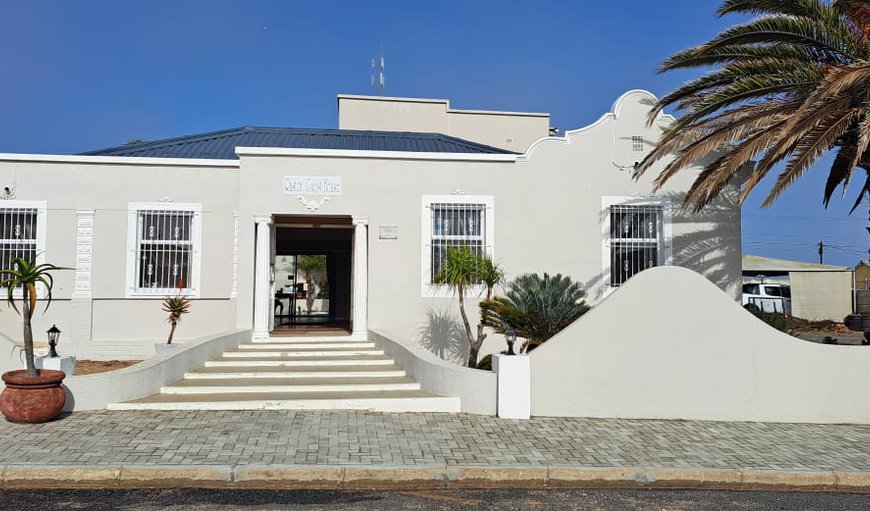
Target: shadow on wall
{"points": [[712, 247], [442, 334]]}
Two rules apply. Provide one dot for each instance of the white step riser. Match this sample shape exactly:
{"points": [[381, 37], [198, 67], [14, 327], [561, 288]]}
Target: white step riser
{"points": [[308, 345], [386, 405], [279, 354], [295, 375], [307, 338], [289, 389], [297, 363]]}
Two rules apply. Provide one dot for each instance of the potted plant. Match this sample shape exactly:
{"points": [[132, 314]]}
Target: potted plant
{"points": [[176, 306], [30, 395]]}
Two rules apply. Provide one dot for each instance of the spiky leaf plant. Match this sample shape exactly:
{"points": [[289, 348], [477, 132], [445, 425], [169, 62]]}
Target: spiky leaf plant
{"points": [[537, 307], [176, 306], [24, 276], [786, 87]]}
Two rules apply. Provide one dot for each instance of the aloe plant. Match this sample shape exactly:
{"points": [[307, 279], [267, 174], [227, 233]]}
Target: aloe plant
{"points": [[176, 306], [25, 275]]}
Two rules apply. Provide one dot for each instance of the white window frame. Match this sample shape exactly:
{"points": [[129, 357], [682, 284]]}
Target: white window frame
{"points": [[427, 288], [41, 229], [193, 288], [666, 235]]}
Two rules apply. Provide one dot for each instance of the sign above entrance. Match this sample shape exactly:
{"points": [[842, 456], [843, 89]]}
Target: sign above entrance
{"points": [[312, 185]]}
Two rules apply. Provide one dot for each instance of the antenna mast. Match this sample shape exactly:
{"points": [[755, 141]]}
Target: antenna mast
{"points": [[378, 81]]}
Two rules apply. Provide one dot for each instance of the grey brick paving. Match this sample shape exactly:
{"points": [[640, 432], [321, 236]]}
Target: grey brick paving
{"points": [[361, 438]]}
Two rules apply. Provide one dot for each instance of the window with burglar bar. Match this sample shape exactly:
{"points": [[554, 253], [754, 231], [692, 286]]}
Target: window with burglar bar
{"points": [[166, 245], [19, 234], [636, 240], [456, 226], [453, 221]]}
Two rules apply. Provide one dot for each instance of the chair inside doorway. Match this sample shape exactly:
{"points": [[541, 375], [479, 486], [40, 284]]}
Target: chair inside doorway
{"points": [[312, 278]]}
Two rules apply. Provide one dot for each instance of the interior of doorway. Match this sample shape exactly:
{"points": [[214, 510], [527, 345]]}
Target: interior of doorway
{"points": [[312, 277]]}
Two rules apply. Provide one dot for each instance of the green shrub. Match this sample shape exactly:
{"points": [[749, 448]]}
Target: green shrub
{"points": [[485, 363], [537, 307], [775, 320]]}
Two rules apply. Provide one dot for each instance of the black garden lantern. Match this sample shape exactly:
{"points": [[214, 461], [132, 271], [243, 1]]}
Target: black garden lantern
{"points": [[53, 335], [510, 335]]}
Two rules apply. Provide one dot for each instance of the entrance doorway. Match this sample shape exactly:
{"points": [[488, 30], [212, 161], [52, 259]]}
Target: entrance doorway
{"points": [[312, 274]]}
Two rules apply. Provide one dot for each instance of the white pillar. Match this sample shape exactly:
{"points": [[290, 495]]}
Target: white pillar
{"points": [[81, 304], [261, 277], [360, 276], [514, 386]]}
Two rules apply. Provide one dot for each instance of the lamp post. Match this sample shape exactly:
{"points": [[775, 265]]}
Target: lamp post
{"points": [[510, 335], [53, 335]]}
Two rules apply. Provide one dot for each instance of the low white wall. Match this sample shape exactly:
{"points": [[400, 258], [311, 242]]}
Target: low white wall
{"points": [[95, 391], [671, 345], [476, 389]]}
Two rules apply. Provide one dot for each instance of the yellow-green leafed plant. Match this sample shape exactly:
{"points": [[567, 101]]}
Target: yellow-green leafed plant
{"points": [[23, 277], [463, 268], [176, 306]]}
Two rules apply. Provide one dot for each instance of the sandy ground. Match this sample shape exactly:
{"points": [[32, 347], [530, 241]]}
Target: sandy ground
{"points": [[84, 367]]}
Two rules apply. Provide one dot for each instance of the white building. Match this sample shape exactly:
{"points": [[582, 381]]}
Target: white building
{"points": [[379, 198]]}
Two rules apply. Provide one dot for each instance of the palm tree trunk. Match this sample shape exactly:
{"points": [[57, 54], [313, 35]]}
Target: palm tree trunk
{"points": [[172, 331], [28, 335], [309, 296], [472, 352]]}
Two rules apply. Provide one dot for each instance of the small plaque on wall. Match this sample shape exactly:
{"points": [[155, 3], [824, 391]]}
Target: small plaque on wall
{"points": [[388, 232]]}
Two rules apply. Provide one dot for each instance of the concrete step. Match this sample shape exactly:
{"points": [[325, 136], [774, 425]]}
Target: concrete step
{"points": [[307, 346], [348, 385], [301, 353], [401, 401], [301, 362], [306, 338], [325, 372]]}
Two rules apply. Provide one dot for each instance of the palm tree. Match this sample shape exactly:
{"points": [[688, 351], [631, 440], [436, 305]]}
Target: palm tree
{"points": [[787, 86], [462, 268], [313, 268], [25, 274], [176, 306], [537, 307]]}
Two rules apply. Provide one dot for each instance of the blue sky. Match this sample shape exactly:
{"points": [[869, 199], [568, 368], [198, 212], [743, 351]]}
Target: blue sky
{"points": [[90, 74]]}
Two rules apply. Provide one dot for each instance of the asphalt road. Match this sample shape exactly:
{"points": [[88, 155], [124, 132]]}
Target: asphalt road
{"points": [[478, 500]]}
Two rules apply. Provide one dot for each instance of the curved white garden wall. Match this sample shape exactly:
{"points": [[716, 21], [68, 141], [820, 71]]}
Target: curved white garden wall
{"points": [[671, 345], [476, 389], [95, 391]]}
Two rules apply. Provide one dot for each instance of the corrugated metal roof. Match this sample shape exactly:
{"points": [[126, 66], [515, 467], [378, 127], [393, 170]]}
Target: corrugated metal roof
{"points": [[759, 264], [221, 145]]}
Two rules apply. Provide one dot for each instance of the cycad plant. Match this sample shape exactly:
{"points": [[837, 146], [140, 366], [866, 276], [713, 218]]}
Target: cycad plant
{"points": [[785, 87], [463, 268], [176, 306], [537, 307], [23, 277]]}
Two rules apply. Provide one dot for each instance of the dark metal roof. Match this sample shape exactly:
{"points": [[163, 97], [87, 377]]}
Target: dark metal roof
{"points": [[221, 145]]}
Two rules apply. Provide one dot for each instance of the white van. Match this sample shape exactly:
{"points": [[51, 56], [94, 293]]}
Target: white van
{"points": [[770, 298]]}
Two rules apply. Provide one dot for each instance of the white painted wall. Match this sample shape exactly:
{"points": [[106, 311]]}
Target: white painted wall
{"points": [[669, 345], [546, 205], [514, 131], [95, 391], [821, 295], [547, 208]]}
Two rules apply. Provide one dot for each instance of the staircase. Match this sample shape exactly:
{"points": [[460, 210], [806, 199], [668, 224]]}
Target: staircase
{"points": [[297, 373]]}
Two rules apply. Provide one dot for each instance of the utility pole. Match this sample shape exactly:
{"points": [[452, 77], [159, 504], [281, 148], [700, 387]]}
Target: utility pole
{"points": [[822, 252]]}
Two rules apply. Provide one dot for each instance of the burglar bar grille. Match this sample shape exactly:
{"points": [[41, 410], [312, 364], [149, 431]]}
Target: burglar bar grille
{"points": [[456, 226], [635, 240], [165, 250], [18, 235]]}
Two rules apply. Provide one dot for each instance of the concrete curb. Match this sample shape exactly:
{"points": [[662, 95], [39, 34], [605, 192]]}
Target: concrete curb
{"points": [[422, 477]]}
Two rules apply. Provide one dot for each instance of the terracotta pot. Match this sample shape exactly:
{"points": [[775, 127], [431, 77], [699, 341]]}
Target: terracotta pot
{"points": [[32, 399]]}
